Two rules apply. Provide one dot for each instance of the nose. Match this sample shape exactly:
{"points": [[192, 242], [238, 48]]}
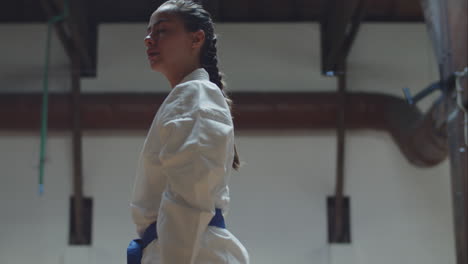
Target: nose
{"points": [[149, 41]]}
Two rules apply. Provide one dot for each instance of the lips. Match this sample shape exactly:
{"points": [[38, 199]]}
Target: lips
{"points": [[152, 53]]}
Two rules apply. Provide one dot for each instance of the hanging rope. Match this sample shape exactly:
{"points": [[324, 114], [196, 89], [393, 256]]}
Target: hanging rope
{"points": [[45, 96]]}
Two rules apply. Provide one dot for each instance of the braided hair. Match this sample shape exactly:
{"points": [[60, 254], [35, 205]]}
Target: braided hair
{"points": [[195, 18]]}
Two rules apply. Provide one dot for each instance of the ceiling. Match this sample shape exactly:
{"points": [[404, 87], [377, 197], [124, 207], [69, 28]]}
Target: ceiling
{"points": [[124, 11]]}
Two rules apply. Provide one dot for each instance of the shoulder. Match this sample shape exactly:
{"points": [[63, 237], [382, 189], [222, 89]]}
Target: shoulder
{"points": [[194, 96], [196, 89]]}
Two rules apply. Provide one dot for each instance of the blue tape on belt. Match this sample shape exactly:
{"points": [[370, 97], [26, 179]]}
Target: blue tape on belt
{"points": [[136, 246]]}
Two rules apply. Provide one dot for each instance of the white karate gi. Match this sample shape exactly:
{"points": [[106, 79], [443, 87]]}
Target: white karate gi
{"points": [[183, 175]]}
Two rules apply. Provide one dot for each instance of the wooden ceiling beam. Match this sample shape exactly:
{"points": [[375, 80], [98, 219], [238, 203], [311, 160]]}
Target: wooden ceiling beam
{"points": [[83, 30], [66, 41], [229, 11], [412, 131], [339, 27], [69, 32]]}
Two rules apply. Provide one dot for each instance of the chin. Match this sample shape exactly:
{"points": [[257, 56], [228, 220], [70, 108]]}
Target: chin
{"points": [[155, 67]]}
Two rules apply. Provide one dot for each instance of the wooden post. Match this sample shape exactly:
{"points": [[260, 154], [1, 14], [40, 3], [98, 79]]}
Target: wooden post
{"points": [[340, 158], [77, 152]]}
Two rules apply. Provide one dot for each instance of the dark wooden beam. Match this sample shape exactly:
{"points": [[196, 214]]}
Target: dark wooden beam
{"points": [[339, 234], [69, 32], [78, 237], [107, 11], [414, 132], [214, 7], [83, 29], [354, 26], [448, 27], [339, 26], [66, 41]]}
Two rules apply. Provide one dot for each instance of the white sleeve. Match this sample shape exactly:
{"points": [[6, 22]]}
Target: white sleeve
{"points": [[193, 157]]}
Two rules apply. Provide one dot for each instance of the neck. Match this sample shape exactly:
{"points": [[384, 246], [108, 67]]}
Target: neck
{"points": [[177, 74]]}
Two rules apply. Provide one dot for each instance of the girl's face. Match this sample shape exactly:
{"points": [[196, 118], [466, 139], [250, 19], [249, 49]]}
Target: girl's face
{"points": [[168, 43]]}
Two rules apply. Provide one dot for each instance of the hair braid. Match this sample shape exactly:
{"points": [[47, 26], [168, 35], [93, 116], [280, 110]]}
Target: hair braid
{"points": [[196, 18], [209, 60]]}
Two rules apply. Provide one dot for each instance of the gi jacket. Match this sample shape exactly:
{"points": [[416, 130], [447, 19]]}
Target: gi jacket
{"points": [[184, 167]]}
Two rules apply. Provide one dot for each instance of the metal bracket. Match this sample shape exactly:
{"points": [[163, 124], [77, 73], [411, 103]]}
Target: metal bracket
{"points": [[444, 86], [427, 91], [458, 76]]}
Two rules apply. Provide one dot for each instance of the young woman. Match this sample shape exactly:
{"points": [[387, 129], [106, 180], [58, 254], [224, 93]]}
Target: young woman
{"points": [[181, 189]]}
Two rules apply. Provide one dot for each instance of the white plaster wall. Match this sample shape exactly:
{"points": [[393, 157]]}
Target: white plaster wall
{"points": [[400, 213]]}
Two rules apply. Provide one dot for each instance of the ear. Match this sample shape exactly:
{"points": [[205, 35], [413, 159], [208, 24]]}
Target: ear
{"points": [[198, 38]]}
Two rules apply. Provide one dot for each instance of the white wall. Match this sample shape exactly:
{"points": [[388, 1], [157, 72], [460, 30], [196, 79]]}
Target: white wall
{"points": [[400, 213], [22, 50]]}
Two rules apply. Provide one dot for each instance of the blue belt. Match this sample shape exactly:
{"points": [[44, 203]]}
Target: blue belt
{"points": [[136, 246]]}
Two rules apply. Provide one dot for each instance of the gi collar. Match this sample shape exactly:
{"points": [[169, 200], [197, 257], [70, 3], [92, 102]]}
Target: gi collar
{"points": [[197, 74]]}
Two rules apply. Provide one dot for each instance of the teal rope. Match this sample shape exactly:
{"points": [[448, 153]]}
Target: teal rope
{"points": [[45, 96]]}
